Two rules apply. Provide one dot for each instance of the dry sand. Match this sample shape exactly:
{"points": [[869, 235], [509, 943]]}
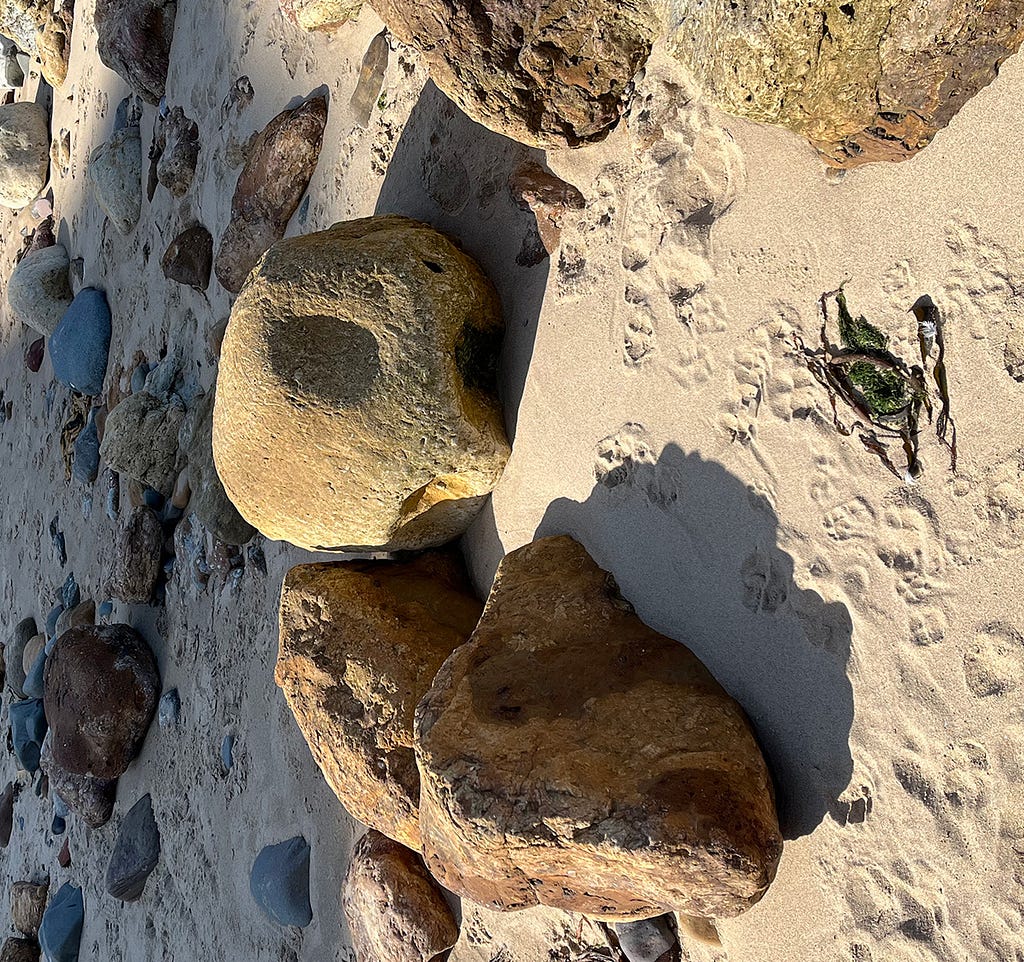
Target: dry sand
{"points": [[871, 629]]}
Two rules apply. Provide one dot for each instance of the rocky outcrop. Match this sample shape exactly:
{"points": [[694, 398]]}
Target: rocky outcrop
{"points": [[115, 173], [571, 756], [320, 14], [862, 82], [361, 642], [134, 40], [101, 692], [39, 291], [24, 152], [136, 565], [394, 909], [141, 440], [277, 172], [378, 338], [551, 73]]}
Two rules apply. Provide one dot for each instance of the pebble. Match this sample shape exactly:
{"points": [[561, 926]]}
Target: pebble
{"points": [[57, 539], [64, 856], [52, 618], [182, 492], [87, 452], [169, 712], [279, 882], [28, 902], [136, 852], [81, 614], [80, 344], [152, 498], [28, 729], [139, 376], [58, 826], [106, 609], [14, 654], [646, 940], [34, 354], [227, 749], [33, 686], [61, 931], [7, 813], [70, 595], [32, 650], [113, 503], [256, 556]]}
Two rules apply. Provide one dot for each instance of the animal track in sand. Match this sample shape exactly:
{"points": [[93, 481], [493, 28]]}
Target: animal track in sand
{"points": [[994, 663]]}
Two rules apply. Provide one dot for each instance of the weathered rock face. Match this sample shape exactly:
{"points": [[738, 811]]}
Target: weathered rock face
{"points": [[21, 19], [141, 440], [377, 337], [115, 172], [136, 852], [178, 144], [189, 257], [361, 642], [277, 172], [24, 152], [394, 909], [320, 14], [571, 756], [54, 43], [101, 692], [550, 73], [134, 40], [136, 566], [39, 291], [862, 82], [92, 799], [28, 902]]}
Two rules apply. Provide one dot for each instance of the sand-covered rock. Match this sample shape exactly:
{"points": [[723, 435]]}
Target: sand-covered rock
{"points": [[378, 338], [115, 173], [178, 145], [39, 291], [571, 756], [320, 14], [361, 642], [28, 902], [136, 565], [134, 40], [395, 911], [102, 687], [24, 152], [866, 81], [551, 73], [189, 258], [141, 440], [277, 172]]}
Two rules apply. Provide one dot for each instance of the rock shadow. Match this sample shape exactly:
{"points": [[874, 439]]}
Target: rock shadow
{"points": [[694, 549], [452, 173]]}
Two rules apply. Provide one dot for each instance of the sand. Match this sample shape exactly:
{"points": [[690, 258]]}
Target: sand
{"points": [[870, 628]]}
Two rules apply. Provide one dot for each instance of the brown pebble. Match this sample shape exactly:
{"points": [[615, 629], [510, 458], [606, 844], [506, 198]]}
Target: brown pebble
{"points": [[64, 858], [34, 354], [182, 491]]}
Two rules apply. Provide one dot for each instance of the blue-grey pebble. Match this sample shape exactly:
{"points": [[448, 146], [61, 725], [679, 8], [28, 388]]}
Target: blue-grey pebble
{"points": [[136, 852], [227, 751], [28, 729], [33, 686], [139, 376], [70, 594], [279, 882], [51, 620], [58, 826], [80, 344], [106, 609], [60, 933], [86, 465]]}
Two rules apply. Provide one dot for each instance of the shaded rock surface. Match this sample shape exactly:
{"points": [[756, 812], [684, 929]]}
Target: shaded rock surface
{"points": [[189, 257], [178, 144], [19, 950], [91, 799], [551, 73], [141, 440], [320, 14], [136, 852], [24, 152], [7, 813], [277, 172], [39, 291], [28, 729], [410, 438], [395, 911], [571, 756], [279, 882], [647, 940], [136, 565], [115, 173], [862, 82], [80, 343], [134, 40], [61, 931], [101, 692], [28, 902], [361, 642]]}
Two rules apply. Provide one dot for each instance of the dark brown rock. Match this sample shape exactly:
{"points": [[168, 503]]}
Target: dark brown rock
{"points": [[134, 40], [101, 689], [571, 756], [7, 813], [178, 149], [20, 950], [276, 174], [361, 642], [64, 855], [551, 73], [136, 565], [394, 909], [28, 902], [92, 799], [189, 257]]}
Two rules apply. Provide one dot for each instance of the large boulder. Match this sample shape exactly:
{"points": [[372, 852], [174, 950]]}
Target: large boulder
{"points": [[24, 152], [361, 642], [141, 440], [869, 81], [395, 911], [115, 173], [571, 756], [277, 172], [39, 291], [551, 73], [134, 40], [102, 687], [54, 43], [80, 345], [136, 565], [378, 338], [320, 14]]}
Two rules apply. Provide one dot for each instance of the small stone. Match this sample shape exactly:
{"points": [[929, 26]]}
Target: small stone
{"points": [[7, 813], [64, 856], [19, 950], [32, 651], [182, 491], [81, 342], [14, 655], [276, 175], [61, 930], [33, 686], [279, 882], [24, 152], [86, 465], [138, 378], [646, 940], [394, 909], [189, 257], [549, 198], [34, 354], [102, 687], [39, 291], [28, 729], [320, 14], [169, 712], [59, 825], [136, 565], [141, 440], [70, 593], [28, 902], [179, 152], [106, 609], [134, 40], [83, 613], [115, 173], [371, 78], [113, 499], [227, 750], [136, 852]]}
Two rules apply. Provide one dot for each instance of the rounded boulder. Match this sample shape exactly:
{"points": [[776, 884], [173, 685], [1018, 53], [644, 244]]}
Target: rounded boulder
{"points": [[24, 152]]}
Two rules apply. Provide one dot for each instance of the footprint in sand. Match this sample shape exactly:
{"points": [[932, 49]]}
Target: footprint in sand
{"points": [[994, 663]]}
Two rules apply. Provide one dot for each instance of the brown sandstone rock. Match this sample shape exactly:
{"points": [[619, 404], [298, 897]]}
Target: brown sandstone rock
{"points": [[394, 909], [571, 756], [549, 197], [276, 174], [866, 81], [101, 687], [28, 902], [54, 43], [378, 338], [136, 565], [188, 258], [361, 642], [551, 73], [320, 14], [134, 40]]}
